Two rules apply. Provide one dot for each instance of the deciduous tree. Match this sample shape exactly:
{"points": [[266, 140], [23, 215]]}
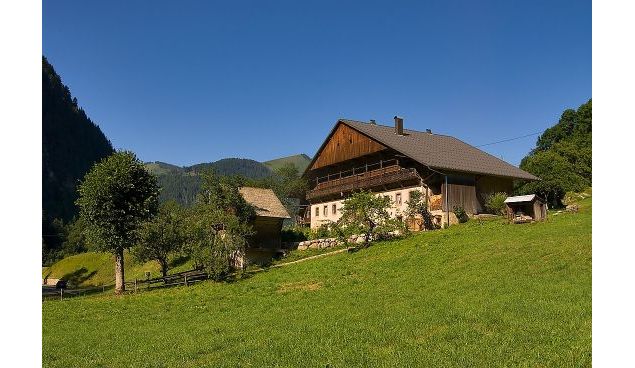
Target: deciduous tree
{"points": [[162, 236], [115, 198], [367, 214]]}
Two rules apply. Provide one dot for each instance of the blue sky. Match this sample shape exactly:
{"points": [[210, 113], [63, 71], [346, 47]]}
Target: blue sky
{"points": [[195, 81]]}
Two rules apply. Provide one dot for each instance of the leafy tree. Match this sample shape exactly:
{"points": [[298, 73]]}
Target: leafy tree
{"points": [[562, 157], [366, 213], [216, 240], [557, 177], [115, 198], [53, 235], [161, 236], [219, 225], [222, 193], [76, 241]]}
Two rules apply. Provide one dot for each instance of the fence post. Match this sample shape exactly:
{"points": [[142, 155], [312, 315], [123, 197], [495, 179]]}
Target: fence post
{"points": [[135, 285], [61, 294], [185, 279]]}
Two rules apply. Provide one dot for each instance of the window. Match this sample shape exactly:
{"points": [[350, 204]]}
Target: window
{"points": [[410, 194], [398, 199], [317, 211], [326, 209], [334, 209]]}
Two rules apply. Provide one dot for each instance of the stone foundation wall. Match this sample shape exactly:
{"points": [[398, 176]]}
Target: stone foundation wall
{"points": [[334, 242]]}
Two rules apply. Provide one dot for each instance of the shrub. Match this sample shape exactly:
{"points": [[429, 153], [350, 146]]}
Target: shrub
{"points": [[460, 213], [416, 206], [324, 231], [495, 203], [295, 234]]}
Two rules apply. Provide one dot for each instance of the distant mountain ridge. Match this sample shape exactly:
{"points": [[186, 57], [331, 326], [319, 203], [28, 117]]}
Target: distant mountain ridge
{"points": [[227, 166], [182, 183]]}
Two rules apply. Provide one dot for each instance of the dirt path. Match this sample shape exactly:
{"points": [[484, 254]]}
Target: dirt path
{"points": [[302, 260]]}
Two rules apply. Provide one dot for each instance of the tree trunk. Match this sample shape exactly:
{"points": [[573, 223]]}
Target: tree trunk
{"points": [[120, 287], [164, 267]]}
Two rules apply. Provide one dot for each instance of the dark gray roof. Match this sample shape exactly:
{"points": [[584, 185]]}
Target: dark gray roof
{"points": [[439, 151]]}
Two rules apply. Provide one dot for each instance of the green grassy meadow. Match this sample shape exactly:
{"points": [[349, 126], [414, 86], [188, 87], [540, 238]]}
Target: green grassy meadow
{"points": [[482, 294], [92, 269]]}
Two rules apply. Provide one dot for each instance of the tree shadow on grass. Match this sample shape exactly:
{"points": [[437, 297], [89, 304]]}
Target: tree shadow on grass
{"points": [[179, 261], [78, 276]]}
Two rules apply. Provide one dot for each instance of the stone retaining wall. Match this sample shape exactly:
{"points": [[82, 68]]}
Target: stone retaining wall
{"points": [[333, 242]]}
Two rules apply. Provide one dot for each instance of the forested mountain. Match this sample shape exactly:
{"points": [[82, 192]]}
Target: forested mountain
{"points": [[182, 183], [71, 144], [562, 157], [234, 166]]}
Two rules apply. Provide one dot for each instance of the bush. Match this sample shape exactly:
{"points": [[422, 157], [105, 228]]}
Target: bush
{"points": [[295, 234], [417, 206], [324, 231], [495, 203], [460, 213]]}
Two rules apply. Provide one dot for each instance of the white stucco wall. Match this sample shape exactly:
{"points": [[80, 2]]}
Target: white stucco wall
{"points": [[395, 210]]}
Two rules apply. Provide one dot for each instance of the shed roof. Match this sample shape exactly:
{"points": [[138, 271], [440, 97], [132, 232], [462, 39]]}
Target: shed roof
{"points": [[438, 151], [522, 198], [265, 201]]}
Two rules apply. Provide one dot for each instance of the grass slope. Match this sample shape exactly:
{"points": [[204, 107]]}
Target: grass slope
{"points": [[300, 161], [478, 294], [96, 269]]}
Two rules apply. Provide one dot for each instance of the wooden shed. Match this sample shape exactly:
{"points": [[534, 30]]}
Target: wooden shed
{"points": [[270, 213], [525, 208]]}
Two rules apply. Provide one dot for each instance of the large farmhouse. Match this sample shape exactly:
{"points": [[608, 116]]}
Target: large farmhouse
{"points": [[393, 161]]}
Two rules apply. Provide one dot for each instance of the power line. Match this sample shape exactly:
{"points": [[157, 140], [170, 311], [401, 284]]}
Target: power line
{"points": [[482, 145], [509, 140]]}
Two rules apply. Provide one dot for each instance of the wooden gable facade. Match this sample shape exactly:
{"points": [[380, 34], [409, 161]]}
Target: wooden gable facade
{"points": [[344, 144]]}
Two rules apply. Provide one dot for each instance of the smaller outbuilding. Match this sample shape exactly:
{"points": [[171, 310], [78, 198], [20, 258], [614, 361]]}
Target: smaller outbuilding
{"points": [[270, 213], [525, 208]]}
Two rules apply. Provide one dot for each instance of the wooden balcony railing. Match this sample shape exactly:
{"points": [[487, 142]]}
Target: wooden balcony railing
{"points": [[385, 174]]}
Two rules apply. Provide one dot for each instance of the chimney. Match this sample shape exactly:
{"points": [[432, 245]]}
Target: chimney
{"points": [[398, 125], [372, 121], [428, 131]]}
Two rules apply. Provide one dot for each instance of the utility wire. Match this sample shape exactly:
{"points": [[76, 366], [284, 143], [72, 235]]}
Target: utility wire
{"points": [[436, 152], [508, 140]]}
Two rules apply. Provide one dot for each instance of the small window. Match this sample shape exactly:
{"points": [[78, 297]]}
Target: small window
{"points": [[334, 209], [317, 211], [326, 210], [398, 199]]}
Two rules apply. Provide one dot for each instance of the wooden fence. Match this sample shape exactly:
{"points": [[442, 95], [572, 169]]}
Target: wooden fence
{"points": [[183, 278]]}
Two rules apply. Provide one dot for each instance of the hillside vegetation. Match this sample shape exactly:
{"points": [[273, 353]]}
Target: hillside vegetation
{"points": [[300, 161], [183, 183], [476, 294], [562, 158], [71, 144]]}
